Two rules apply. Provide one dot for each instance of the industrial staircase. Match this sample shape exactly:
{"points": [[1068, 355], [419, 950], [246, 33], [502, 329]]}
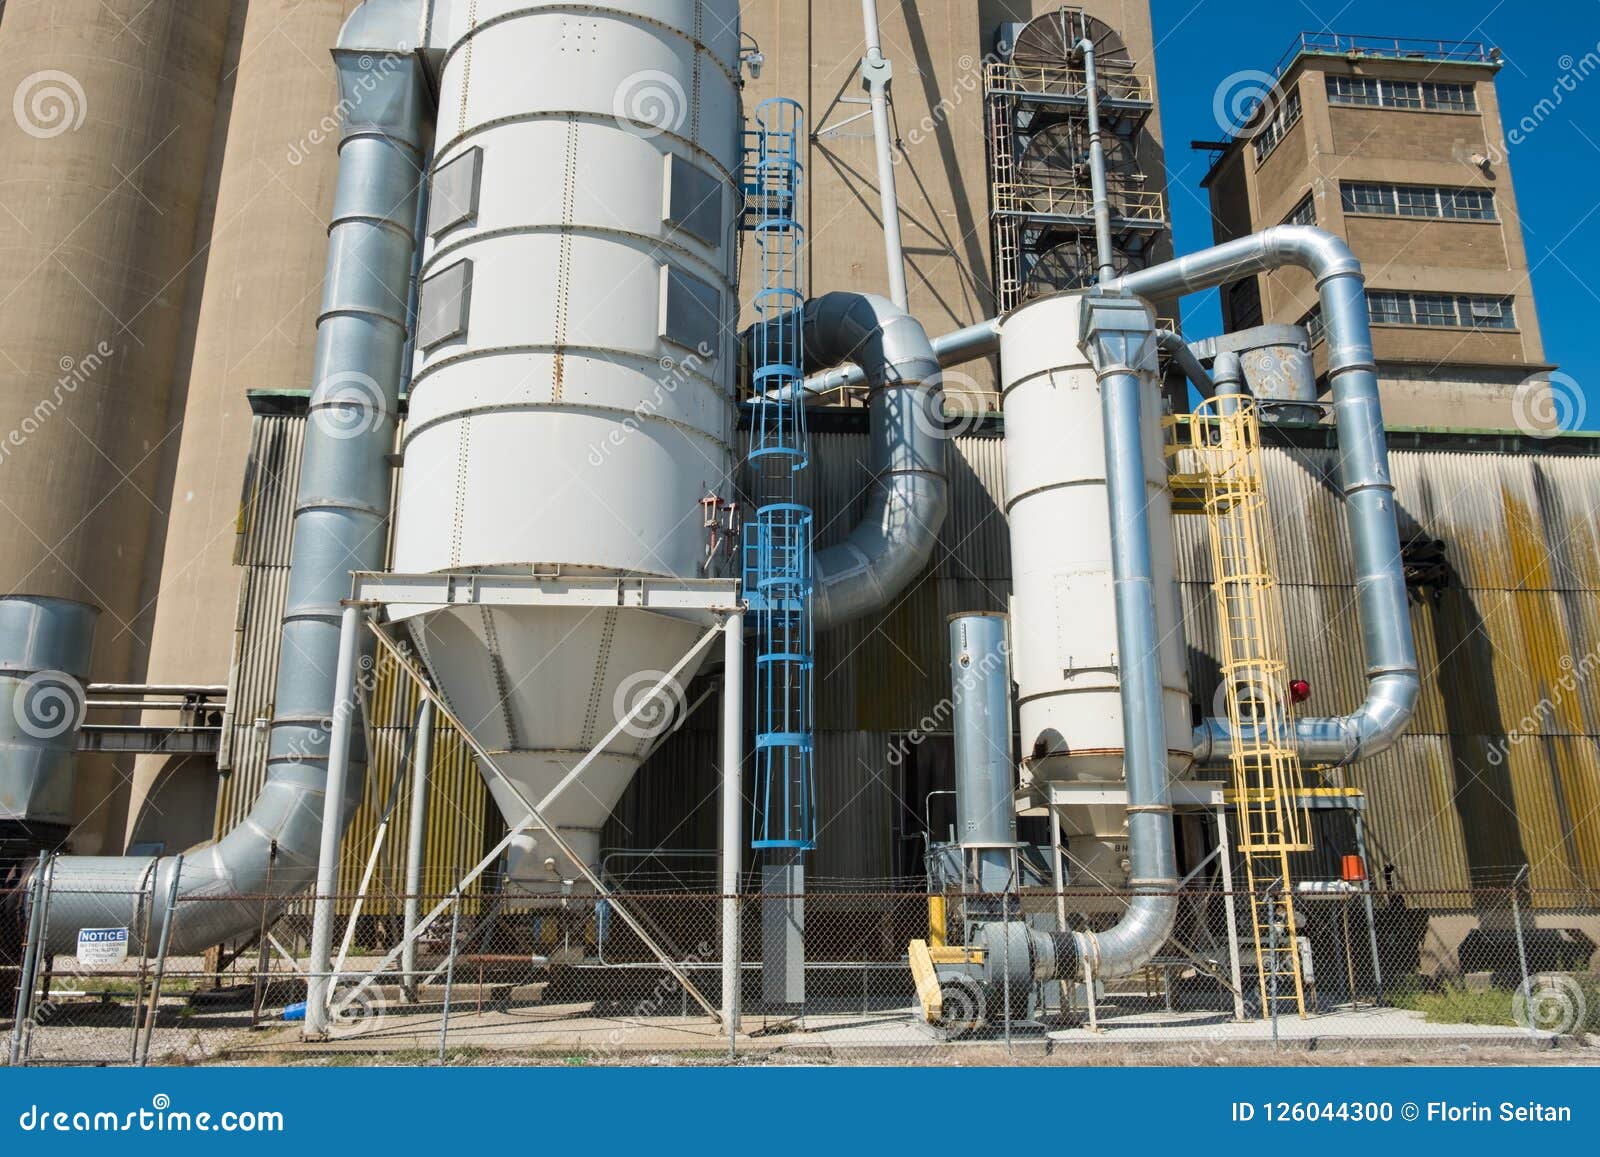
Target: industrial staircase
{"points": [[1221, 474]]}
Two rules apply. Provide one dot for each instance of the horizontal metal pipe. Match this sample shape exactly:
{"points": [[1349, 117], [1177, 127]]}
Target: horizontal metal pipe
{"points": [[1381, 602], [957, 348]]}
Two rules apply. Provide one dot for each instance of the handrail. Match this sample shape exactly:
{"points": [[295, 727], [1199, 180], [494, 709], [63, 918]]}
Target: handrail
{"points": [[1388, 48], [1064, 80]]}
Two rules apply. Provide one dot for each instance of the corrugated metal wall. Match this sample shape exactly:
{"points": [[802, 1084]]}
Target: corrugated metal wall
{"points": [[1465, 798], [459, 830]]}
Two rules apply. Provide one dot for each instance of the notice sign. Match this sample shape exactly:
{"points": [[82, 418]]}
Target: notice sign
{"points": [[102, 946]]}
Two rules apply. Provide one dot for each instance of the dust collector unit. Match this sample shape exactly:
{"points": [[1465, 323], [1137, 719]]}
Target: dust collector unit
{"points": [[572, 403]]}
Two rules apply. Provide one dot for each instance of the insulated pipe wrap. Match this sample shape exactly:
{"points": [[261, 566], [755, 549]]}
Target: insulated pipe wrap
{"points": [[907, 437], [1381, 602]]}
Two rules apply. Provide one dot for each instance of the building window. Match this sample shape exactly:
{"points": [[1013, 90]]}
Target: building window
{"points": [[1417, 201], [1446, 310], [1305, 213], [1312, 323], [1277, 124], [1244, 303], [1377, 92], [1450, 97]]}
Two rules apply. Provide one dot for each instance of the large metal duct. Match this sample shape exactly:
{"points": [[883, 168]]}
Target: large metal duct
{"points": [[1381, 602], [572, 406], [256, 312], [45, 646], [910, 493], [340, 522]]}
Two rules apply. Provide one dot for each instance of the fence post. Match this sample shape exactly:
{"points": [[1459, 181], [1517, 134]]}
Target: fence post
{"points": [[1372, 920], [449, 976], [30, 960], [144, 964], [167, 919], [1522, 951]]}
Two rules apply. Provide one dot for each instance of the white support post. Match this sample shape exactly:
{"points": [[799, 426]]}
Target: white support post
{"points": [[732, 817], [344, 710], [422, 757], [1235, 971]]}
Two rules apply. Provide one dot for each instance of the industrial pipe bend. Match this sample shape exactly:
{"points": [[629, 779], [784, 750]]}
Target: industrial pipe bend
{"points": [[340, 515], [909, 493], [1381, 602]]}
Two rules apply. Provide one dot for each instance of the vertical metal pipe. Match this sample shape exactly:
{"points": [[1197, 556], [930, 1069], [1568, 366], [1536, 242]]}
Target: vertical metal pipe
{"points": [[732, 817], [1097, 165], [980, 686], [416, 840], [341, 510], [344, 710], [876, 73], [1120, 342]]}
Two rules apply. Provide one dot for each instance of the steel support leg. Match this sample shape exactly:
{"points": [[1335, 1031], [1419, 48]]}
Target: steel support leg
{"points": [[1235, 970], [344, 711], [416, 839], [732, 817]]}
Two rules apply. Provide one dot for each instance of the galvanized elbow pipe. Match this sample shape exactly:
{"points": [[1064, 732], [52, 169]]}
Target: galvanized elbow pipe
{"points": [[340, 525], [1183, 357], [909, 494], [1381, 603]]}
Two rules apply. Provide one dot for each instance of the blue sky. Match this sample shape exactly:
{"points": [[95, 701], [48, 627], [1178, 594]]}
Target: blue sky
{"points": [[1556, 168]]}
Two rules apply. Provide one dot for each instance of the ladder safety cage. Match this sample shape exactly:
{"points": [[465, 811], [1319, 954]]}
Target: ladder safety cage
{"points": [[777, 540]]}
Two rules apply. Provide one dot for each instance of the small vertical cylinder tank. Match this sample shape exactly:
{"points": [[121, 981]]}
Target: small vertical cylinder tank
{"points": [[1063, 606], [980, 690]]}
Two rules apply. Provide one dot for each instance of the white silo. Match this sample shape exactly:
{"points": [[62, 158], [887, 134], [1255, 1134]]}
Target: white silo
{"points": [[572, 403], [1065, 658]]}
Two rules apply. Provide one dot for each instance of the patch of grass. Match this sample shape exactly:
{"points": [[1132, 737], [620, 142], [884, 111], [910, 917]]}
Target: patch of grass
{"points": [[1454, 1003]]}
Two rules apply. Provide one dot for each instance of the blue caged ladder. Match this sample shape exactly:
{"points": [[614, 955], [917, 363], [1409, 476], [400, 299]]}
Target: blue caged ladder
{"points": [[777, 542]]}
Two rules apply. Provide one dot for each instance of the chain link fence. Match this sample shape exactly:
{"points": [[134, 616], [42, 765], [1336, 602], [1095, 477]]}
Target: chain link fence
{"points": [[833, 977]]}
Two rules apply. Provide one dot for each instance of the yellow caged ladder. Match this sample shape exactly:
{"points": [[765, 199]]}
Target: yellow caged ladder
{"points": [[1229, 487]]}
